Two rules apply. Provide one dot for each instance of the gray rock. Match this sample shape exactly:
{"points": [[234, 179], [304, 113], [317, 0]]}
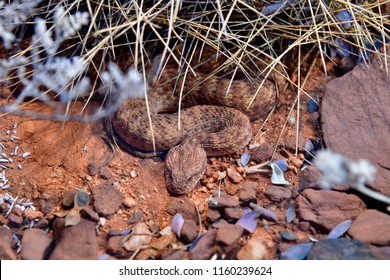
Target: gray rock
{"points": [[36, 245], [205, 246], [340, 249], [277, 194], [248, 193], [355, 117], [107, 200], [189, 231]]}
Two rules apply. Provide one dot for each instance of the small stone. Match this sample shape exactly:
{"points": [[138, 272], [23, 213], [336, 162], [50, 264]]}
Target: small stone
{"points": [[114, 247], [184, 206], [93, 169], [15, 221], [163, 242], [212, 215], [372, 227], [205, 246], [229, 234], [33, 214], [41, 224], [174, 255], [140, 236], [304, 226], [340, 249], [135, 217], [324, 209], [68, 198], [6, 252], [76, 242], [296, 162], [234, 176], [102, 221], [221, 175], [248, 193], [262, 153], [277, 194], [188, 232], [253, 250], [232, 213], [129, 202], [288, 235], [36, 245], [223, 202], [133, 173], [91, 214], [290, 143], [219, 223], [107, 200], [104, 173]]}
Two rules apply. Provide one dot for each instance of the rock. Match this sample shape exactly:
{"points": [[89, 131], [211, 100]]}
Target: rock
{"points": [[212, 215], [6, 252], [232, 213], [248, 193], [15, 221], [372, 227], [114, 247], [290, 143], [93, 169], [253, 250], [310, 177], [205, 246], [41, 224], [129, 202], [223, 202], [189, 231], [295, 161], [325, 209], [148, 253], [164, 241], [360, 100], [140, 236], [184, 206], [104, 173], [75, 242], [229, 234], [219, 223], [277, 194], [381, 253], [36, 245], [340, 249], [107, 200], [33, 214], [234, 176], [288, 235], [91, 214], [68, 198], [174, 255], [262, 153], [135, 217]]}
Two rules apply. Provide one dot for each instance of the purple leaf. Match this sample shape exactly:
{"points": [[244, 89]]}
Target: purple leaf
{"points": [[296, 252], [177, 224], [345, 18], [339, 230], [282, 163], [245, 158], [249, 221], [265, 213], [343, 49], [290, 214]]}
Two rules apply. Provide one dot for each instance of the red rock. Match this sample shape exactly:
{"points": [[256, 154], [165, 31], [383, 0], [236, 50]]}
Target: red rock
{"points": [[36, 245], [232, 213], [68, 198], [104, 173], [75, 242], [248, 193], [15, 221], [184, 206], [114, 247], [229, 234], [262, 153], [355, 115], [6, 252], [223, 202], [212, 215], [325, 209], [174, 255], [107, 200], [205, 247], [277, 194], [189, 231], [372, 227]]}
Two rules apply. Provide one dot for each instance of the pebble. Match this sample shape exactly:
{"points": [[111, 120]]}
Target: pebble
{"points": [[15, 221], [262, 153], [277, 194], [253, 250], [114, 247], [248, 193], [174, 255], [68, 198], [104, 173], [232, 213], [140, 236], [205, 246], [41, 224], [91, 214], [107, 200], [325, 209], [340, 249], [6, 252], [219, 223], [183, 205], [371, 227], [223, 202], [33, 214], [212, 215], [77, 242], [133, 173], [129, 202], [234, 176], [36, 245], [163, 241], [229, 235], [93, 169], [288, 235], [189, 231], [135, 217]]}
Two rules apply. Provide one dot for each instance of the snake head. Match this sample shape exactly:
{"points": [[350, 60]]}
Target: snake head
{"points": [[185, 164]]}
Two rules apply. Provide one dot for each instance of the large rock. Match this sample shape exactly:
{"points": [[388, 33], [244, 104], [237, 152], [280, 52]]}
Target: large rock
{"points": [[6, 252], [325, 209], [36, 245], [355, 117], [74, 242], [372, 227]]}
